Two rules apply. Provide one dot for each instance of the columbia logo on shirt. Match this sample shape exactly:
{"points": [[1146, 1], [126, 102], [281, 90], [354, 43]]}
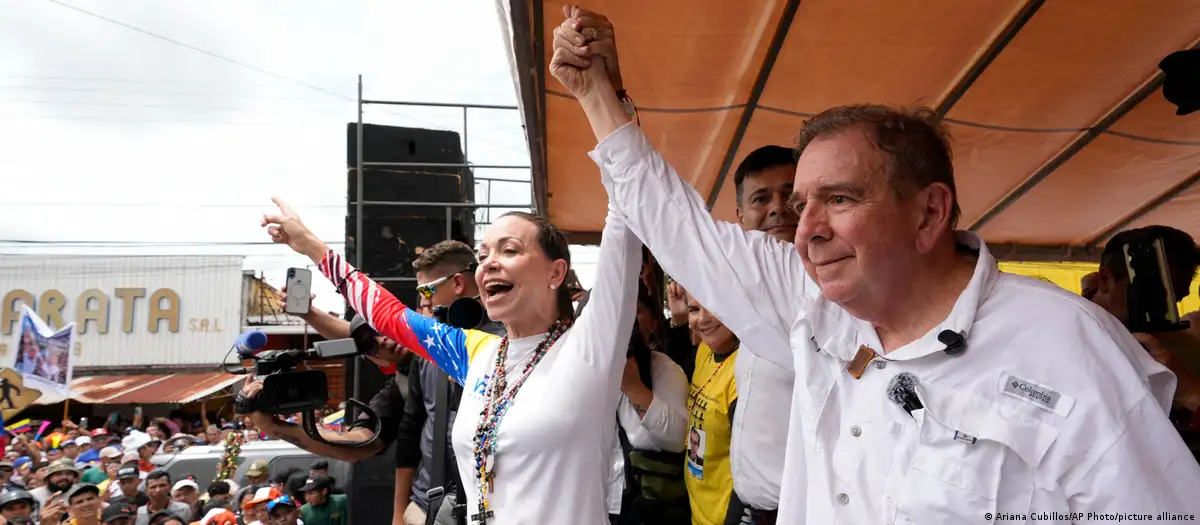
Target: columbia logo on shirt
{"points": [[1034, 393]]}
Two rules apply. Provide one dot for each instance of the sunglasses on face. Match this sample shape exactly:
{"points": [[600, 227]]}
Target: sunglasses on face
{"points": [[428, 289]]}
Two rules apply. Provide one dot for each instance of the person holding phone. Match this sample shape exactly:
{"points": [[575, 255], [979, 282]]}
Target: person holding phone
{"points": [[535, 422]]}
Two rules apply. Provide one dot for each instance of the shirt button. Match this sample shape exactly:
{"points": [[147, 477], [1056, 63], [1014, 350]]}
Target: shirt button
{"points": [[843, 499], [881, 364], [855, 431]]}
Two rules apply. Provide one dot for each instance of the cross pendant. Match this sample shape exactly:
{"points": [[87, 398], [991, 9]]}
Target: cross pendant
{"points": [[482, 516]]}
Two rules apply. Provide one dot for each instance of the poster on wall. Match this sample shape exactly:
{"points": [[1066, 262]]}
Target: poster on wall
{"points": [[43, 354]]}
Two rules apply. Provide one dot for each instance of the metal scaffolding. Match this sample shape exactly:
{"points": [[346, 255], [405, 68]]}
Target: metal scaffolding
{"points": [[360, 202]]}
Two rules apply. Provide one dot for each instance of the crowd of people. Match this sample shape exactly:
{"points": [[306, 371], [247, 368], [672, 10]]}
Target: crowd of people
{"points": [[842, 355], [72, 474]]}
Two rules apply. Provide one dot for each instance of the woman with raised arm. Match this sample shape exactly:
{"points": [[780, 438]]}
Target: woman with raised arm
{"points": [[535, 426]]}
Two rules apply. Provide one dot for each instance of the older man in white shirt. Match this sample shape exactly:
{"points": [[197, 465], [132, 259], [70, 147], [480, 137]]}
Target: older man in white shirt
{"points": [[930, 387]]}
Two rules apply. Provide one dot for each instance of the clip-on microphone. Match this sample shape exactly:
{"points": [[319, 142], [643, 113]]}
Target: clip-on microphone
{"points": [[902, 390], [955, 343]]}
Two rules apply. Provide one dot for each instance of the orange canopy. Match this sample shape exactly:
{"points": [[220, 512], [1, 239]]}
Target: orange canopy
{"points": [[1062, 136]]}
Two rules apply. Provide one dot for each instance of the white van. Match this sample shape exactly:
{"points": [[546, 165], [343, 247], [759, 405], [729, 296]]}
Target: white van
{"points": [[201, 461]]}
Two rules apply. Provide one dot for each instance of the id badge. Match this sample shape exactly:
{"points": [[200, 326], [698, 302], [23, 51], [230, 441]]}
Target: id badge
{"points": [[697, 444]]}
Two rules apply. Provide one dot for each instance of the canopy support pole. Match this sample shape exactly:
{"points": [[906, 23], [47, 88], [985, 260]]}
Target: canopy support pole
{"points": [[1080, 142], [764, 74], [985, 59], [1170, 195], [1148, 88]]}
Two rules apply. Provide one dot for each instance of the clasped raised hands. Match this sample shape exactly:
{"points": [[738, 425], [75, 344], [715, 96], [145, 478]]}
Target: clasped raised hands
{"points": [[585, 52]]}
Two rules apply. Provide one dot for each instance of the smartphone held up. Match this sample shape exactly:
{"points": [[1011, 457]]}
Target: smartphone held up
{"points": [[299, 289]]}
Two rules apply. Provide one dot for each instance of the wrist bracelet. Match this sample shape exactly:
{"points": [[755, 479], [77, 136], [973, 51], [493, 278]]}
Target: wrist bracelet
{"points": [[630, 107], [341, 288]]}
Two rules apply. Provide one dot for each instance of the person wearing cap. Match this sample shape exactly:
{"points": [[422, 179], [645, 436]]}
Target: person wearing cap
{"points": [[6, 475], [98, 473], [60, 476], [90, 447], [186, 491], [120, 513], [37, 473], [16, 503], [218, 516], [320, 468], [255, 509], [70, 449], [83, 504], [258, 472], [321, 507], [158, 488], [145, 446], [166, 518], [283, 511], [53, 453], [128, 479]]}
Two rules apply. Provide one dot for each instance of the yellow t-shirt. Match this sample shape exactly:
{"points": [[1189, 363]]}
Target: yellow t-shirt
{"points": [[708, 477]]}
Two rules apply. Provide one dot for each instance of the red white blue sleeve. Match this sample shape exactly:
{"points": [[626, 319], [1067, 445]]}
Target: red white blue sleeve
{"points": [[440, 344]]}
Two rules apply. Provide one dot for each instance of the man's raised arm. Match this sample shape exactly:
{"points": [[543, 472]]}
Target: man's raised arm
{"points": [[753, 283]]}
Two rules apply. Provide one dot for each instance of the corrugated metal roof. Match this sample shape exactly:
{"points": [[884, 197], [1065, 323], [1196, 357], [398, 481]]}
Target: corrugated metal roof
{"points": [[145, 388]]}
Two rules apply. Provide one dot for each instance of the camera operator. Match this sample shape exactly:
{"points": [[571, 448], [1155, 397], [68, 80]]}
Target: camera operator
{"points": [[388, 403], [445, 273], [1110, 290], [1178, 350]]}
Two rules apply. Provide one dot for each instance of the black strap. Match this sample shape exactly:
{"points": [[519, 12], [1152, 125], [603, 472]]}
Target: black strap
{"points": [[441, 428], [626, 448]]}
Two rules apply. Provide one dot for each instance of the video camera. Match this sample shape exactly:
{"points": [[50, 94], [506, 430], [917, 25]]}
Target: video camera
{"points": [[464, 312], [286, 390], [1151, 297]]}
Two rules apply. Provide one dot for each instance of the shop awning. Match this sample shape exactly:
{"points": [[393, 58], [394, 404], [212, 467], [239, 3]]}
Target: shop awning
{"points": [[145, 389], [1062, 134]]}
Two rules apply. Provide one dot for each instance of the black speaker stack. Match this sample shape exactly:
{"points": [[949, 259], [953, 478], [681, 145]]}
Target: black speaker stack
{"points": [[392, 237]]}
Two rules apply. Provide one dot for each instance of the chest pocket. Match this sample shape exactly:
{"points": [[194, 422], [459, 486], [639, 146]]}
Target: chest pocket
{"points": [[973, 457]]}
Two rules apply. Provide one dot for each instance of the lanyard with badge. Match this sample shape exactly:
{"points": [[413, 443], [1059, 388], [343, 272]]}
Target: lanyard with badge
{"points": [[697, 437]]}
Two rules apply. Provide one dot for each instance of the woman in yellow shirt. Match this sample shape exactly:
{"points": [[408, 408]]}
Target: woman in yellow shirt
{"points": [[711, 402]]}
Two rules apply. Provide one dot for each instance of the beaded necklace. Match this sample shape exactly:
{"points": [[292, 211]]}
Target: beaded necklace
{"points": [[495, 405]]}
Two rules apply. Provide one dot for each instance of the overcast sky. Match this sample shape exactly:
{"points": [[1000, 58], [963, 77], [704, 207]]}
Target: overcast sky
{"points": [[111, 132]]}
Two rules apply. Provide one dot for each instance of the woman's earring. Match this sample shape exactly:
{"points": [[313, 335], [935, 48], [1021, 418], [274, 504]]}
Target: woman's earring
{"points": [[552, 287]]}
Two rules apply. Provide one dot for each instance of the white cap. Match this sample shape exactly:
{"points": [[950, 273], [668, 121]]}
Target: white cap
{"points": [[184, 483], [131, 456], [83, 440], [110, 452], [135, 440]]}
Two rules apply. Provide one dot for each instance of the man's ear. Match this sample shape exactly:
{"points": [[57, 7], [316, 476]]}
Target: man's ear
{"points": [[460, 284]]}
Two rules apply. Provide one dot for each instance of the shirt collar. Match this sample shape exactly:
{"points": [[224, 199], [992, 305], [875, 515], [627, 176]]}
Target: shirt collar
{"points": [[838, 333]]}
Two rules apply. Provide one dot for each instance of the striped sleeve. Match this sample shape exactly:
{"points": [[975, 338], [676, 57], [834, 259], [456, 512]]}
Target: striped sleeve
{"points": [[449, 348]]}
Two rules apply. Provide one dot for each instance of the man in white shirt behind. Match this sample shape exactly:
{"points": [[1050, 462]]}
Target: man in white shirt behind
{"points": [[763, 185], [930, 387]]}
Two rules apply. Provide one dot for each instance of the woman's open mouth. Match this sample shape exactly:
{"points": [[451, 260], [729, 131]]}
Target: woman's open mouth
{"points": [[496, 289]]}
